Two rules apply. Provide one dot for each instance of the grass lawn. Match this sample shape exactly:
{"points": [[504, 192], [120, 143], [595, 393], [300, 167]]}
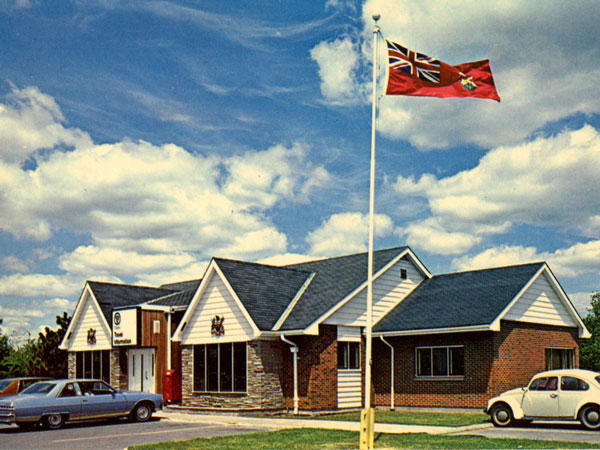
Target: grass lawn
{"points": [[320, 439], [442, 419]]}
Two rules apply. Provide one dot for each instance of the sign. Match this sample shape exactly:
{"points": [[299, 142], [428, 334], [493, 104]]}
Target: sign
{"points": [[125, 327]]}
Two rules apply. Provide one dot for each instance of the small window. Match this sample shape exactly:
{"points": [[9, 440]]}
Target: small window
{"points": [[403, 274], [68, 391], [573, 384], [348, 355]]}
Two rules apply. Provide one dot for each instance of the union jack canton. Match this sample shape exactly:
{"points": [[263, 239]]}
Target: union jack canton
{"points": [[414, 63]]}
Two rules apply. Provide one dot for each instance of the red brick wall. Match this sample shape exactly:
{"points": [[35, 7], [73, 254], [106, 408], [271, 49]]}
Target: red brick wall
{"points": [[494, 363], [317, 371]]}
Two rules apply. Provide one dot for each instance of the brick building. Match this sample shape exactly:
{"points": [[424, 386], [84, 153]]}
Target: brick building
{"points": [[250, 336]]}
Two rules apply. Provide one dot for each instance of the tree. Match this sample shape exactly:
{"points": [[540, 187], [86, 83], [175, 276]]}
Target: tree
{"points": [[590, 348], [6, 349], [54, 361]]}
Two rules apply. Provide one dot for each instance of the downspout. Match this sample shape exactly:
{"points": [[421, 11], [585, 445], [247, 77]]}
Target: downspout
{"points": [[294, 350], [392, 371]]}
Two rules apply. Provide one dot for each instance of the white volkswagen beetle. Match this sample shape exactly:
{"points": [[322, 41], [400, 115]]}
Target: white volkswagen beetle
{"points": [[568, 394]]}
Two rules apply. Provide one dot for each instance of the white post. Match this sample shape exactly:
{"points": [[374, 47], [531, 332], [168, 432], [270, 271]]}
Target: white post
{"points": [[294, 350], [367, 416], [169, 342], [392, 394]]}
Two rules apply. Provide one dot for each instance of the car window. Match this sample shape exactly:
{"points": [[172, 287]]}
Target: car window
{"points": [[39, 388], [95, 388], [68, 390], [27, 383], [4, 384], [544, 384], [573, 384]]}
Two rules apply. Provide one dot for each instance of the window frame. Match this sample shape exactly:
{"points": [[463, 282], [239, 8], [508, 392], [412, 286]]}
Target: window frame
{"points": [[234, 376], [98, 362], [447, 376], [567, 354], [353, 353]]}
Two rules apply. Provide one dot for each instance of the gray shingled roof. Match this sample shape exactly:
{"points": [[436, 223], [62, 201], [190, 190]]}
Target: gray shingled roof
{"points": [[264, 290], [335, 278], [110, 295], [181, 298], [182, 285], [458, 299]]}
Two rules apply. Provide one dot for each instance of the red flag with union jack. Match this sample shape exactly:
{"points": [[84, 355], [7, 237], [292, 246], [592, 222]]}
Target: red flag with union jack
{"points": [[413, 73]]}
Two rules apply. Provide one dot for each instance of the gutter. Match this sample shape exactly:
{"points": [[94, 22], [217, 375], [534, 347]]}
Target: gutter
{"points": [[392, 371], [294, 350]]}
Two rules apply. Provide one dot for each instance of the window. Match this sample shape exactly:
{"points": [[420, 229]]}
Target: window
{"points": [[348, 355], [440, 361], [403, 274], [573, 384], [544, 384], [559, 358], [220, 367], [93, 364]]}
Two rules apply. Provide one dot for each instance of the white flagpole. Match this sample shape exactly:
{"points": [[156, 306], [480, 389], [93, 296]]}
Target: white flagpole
{"points": [[367, 442]]}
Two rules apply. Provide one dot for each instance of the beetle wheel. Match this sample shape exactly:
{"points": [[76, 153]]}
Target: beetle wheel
{"points": [[590, 417], [502, 415], [54, 421]]}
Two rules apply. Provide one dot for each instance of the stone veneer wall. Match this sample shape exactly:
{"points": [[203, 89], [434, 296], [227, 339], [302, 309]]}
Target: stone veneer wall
{"points": [[118, 369], [71, 365], [264, 380]]}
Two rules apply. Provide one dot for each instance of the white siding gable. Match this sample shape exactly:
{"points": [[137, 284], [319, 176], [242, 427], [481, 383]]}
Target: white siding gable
{"points": [[216, 300], [540, 304], [389, 289], [90, 317]]}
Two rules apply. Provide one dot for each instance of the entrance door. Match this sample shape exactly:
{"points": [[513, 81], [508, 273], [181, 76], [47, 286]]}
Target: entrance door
{"points": [[141, 369]]}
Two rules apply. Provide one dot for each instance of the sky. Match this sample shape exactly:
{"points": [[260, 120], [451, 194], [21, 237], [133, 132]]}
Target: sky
{"points": [[140, 139]]}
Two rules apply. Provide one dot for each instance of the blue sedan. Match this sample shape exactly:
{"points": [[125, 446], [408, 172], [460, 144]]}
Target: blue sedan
{"points": [[52, 403]]}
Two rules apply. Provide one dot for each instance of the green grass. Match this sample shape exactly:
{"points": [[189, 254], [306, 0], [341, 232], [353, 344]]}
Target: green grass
{"points": [[320, 439], [441, 419]]}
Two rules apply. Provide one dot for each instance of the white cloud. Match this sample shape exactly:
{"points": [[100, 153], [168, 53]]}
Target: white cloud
{"points": [[346, 233], [14, 264], [148, 209], [431, 236], [40, 285], [338, 63], [548, 181]]}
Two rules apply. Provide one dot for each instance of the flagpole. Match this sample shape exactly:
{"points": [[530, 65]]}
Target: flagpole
{"points": [[367, 422]]}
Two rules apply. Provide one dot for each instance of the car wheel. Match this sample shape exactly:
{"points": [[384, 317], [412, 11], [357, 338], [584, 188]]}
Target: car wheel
{"points": [[502, 415], [141, 413], [54, 421], [590, 417]]}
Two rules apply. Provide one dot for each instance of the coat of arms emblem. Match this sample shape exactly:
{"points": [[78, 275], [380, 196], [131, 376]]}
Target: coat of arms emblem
{"points": [[91, 336], [216, 327]]}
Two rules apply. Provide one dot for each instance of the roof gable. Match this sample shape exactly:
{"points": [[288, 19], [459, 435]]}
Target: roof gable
{"points": [[334, 280], [459, 300]]}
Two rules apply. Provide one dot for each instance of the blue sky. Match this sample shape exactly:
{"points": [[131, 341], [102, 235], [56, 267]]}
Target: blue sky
{"points": [[139, 139]]}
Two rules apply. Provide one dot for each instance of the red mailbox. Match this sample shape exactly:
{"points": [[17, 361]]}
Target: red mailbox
{"points": [[172, 387]]}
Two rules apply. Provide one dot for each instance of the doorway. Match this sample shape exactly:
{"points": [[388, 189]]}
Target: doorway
{"points": [[141, 370]]}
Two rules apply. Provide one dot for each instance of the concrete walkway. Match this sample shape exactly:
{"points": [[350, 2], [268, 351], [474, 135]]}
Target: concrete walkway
{"points": [[277, 423]]}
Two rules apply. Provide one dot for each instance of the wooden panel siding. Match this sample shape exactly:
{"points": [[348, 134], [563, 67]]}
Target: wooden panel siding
{"points": [[158, 341], [349, 389], [91, 317], [216, 300], [540, 304], [389, 289]]}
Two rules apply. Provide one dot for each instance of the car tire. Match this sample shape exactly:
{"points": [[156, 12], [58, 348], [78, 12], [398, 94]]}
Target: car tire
{"points": [[502, 415], [54, 421], [141, 413], [590, 417]]}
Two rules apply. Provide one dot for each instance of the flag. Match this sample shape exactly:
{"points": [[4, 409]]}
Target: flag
{"points": [[413, 73]]}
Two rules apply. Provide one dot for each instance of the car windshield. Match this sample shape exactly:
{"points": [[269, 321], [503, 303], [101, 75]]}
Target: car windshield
{"points": [[4, 384], [39, 388]]}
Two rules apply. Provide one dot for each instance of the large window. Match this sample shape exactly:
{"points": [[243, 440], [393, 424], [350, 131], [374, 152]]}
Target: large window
{"points": [[220, 367], [440, 361], [348, 355], [93, 364], [559, 358]]}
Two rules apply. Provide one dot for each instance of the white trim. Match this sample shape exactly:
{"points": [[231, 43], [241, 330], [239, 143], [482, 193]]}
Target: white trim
{"points": [[558, 290], [64, 345], [436, 331], [292, 304], [406, 252], [212, 269]]}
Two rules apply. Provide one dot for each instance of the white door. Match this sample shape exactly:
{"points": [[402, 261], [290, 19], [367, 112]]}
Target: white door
{"points": [[141, 369]]}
